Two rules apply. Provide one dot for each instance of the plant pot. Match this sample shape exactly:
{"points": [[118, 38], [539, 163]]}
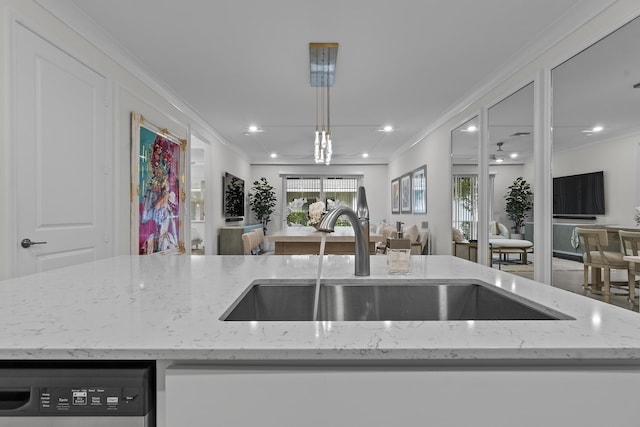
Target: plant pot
{"points": [[517, 236]]}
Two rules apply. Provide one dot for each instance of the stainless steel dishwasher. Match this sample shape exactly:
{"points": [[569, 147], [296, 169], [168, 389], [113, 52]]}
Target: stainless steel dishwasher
{"points": [[74, 394]]}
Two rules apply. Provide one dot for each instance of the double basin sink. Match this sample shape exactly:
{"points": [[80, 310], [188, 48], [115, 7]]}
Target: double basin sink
{"points": [[383, 300]]}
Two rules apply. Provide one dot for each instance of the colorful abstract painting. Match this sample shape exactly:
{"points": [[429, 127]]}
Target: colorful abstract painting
{"points": [[160, 196]]}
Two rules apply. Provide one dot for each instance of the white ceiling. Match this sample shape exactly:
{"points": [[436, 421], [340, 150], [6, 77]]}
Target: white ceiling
{"points": [[593, 88], [406, 63]]}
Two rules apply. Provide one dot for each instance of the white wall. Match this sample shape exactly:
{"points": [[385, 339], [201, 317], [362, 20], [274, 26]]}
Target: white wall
{"points": [[435, 152], [129, 90], [619, 161], [374, 180]]}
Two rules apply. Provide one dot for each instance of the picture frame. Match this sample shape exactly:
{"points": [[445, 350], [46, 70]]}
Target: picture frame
{"points": [[419, 190], [395, 195], [405, 193], [158, 193]]}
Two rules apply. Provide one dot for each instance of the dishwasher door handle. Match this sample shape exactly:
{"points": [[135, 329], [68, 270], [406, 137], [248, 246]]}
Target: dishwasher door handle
{"points": [[14, 398]]}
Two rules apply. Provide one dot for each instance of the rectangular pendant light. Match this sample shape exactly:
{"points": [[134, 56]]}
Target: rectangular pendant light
{"points": [[322, 60]]}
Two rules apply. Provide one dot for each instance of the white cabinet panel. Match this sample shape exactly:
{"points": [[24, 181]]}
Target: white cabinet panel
{"points": [[198, 396]]}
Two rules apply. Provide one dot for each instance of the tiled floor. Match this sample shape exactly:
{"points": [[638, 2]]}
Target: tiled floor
{"points": [[571, 280]]}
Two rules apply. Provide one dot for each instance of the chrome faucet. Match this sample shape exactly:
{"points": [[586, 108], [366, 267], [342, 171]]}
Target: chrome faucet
{"points": [[360, 223]]}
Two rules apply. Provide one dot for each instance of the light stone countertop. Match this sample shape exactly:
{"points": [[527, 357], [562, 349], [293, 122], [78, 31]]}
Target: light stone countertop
{"points": [[168, 308]]}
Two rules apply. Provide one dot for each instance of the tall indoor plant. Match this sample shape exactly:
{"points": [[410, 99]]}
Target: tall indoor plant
{"points": [[519, 202], [262, 201]]}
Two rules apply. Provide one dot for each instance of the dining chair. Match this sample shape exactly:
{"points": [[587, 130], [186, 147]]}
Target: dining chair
{"points": [[629, 244], [595, 257], [259, 232], [249, 243]]}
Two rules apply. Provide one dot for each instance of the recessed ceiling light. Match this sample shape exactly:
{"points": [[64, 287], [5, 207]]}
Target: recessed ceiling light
{"points": [[513, 155], [365, 155], [593, 129], [499, 160], [388, 128], [254, 129], [274, 155], [470, 128]]}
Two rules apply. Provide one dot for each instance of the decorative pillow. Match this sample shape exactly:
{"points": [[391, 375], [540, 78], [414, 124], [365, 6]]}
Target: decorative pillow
{"points": [[457, 235], [503, 231], [412, 233], [493, 228]]}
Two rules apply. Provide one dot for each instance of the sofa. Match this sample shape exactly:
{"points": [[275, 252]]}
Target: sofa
{"points": [[419, 239], [500, 243]]}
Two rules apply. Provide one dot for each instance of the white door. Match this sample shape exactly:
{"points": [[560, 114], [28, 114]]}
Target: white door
{"points": [[60, 157]]}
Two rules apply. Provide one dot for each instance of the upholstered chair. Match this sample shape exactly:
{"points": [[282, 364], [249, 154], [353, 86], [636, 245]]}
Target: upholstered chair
{"points": [[260, 242], [629, 244], [249, 243], [593, 240]]}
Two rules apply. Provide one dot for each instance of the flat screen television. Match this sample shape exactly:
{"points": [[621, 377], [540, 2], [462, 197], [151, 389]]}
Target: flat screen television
{"points": [[577, 195], [233, 197]]}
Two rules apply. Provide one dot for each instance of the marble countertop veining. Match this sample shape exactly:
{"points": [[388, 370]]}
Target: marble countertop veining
{"points": [[168, 307]]}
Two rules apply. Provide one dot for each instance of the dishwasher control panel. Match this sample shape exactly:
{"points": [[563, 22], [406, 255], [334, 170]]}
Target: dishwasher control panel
{"points": [[90, 400], [77, 388]]}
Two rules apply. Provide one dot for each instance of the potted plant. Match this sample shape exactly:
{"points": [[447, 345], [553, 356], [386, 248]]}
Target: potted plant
{"points": [[519, 202], [262, 201]]}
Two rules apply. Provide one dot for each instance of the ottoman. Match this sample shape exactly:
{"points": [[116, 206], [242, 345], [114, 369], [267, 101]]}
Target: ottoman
{"points": [[509, 246]]}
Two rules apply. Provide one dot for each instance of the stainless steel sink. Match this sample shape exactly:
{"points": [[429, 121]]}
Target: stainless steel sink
{"points": [[375, 300]]}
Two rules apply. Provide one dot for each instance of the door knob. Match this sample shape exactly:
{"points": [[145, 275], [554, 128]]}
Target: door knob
{"points": [[26, 243]]}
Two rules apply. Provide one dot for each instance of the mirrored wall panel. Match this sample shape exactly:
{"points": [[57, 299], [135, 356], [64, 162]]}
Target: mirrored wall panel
{"points": [[464, 171], [511, 173], [596, 132]]}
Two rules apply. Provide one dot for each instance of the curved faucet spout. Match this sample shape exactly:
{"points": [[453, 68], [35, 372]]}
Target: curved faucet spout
{"points": [[360, 223]]}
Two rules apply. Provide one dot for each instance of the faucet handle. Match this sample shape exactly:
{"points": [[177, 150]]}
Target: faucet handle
{"points": [[363, 208]]}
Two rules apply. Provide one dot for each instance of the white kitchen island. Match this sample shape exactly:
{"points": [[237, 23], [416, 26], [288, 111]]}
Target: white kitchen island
{"points": [[168, 308]]}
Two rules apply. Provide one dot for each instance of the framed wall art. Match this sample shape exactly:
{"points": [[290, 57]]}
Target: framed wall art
{"points": [[405, 193], [157, 191], [395, 196], [419, 190]]}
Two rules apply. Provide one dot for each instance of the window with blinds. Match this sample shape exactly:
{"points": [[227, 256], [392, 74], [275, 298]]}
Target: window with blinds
{"points": [[465, 205], [301, 191]]}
